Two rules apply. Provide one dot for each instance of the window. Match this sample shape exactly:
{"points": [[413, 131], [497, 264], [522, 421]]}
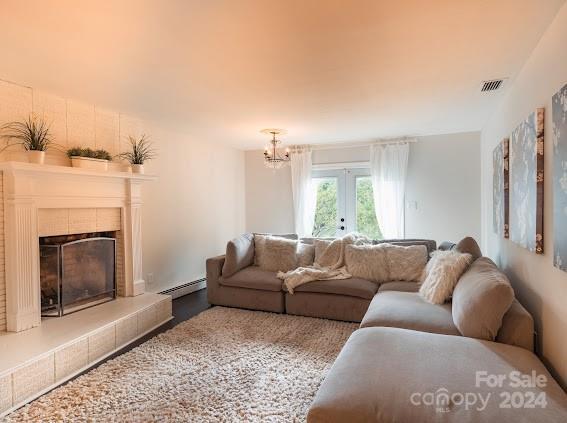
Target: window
{"points": [[344, 203]]}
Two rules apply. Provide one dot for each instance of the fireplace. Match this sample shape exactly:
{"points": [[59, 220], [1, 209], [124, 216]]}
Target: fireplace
{"points": [[76, 272]]}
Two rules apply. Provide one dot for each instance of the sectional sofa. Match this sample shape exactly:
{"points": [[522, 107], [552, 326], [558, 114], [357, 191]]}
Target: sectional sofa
{"points": [[405, 347]]}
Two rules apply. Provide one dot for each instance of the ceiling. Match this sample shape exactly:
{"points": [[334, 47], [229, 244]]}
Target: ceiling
{"points": [[327, 71]]}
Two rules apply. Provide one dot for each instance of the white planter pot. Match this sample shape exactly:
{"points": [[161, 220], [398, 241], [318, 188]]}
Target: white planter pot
{"points": [[89, 163], [37, 157], [138, 168]]}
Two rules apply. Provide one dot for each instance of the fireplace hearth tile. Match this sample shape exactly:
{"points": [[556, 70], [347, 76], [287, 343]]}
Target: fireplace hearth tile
{"points": [[5, 392], [33, 378], [41, 358], [72, 358], [102, 342]]}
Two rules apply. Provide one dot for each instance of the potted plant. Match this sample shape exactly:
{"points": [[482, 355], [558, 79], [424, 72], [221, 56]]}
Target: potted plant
{"points": [[88, 158], [32, 134], [140, 151]]}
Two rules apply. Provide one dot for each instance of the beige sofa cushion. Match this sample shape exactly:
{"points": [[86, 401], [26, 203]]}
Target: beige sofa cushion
{"points": [[517, 327], [399, 286], [469, 245], [408, 310], [367, 262], [441, 275], [406, 263], [353, 287], [481, 298], [379, 369], [239, 254], [253, 277], [305, 254]]}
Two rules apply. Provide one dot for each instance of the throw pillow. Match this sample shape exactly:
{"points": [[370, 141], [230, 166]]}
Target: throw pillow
{"points": [[259, 245], [406, 263], [259, 248], [481, 298], [320, 247], [239, 254], [367, 262], [279, 254], [305, 254], [442, 274]]}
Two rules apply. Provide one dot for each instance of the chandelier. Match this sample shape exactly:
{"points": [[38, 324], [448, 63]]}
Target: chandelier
{"points": [[272, 158]]}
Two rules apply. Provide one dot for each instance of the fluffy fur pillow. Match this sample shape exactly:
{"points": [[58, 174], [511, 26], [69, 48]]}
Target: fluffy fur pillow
{"points": [[259, 248], [367, 262], [305, 254], [442, 274], [320, 247], [279, 254], [260, 245], [406, 263]]}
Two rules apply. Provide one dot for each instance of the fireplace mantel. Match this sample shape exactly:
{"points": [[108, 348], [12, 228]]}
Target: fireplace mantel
{"points": [[29, 188]]}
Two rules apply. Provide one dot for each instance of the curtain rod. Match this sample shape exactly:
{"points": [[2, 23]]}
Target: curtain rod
{"points": [[315, 147]]}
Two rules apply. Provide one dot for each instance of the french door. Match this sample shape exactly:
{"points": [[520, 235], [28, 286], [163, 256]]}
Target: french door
{"points": [[344, 203]]}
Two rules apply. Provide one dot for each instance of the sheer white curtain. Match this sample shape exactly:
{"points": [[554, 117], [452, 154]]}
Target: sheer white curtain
{"points": [[304, 200], [388, 170]]}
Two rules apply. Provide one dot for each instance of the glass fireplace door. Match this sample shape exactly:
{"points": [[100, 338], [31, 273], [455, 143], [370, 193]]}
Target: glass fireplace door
{"points": [[76, 272], [87, 273]]}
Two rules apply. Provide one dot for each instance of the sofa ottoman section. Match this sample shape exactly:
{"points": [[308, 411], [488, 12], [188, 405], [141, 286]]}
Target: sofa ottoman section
{"points": [[398, 375]]}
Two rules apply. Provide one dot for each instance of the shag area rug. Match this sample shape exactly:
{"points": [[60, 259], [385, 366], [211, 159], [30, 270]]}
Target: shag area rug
{"points": [[224, 365]]}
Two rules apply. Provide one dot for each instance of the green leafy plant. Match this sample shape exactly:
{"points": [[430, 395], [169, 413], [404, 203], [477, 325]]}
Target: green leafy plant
{"points": [[140, 152], [89, 152], [32, 134]]}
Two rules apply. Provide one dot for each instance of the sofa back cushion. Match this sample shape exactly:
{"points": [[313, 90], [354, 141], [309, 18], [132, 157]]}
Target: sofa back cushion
{"points": [[442, 274], [367, 262], [430, 244], [280, 254], [470, 246], [406, 263], [239, 254], [517, 327], [481, 298]]}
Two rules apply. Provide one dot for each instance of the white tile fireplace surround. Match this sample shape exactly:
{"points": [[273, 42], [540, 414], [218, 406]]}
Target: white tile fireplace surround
{"points": [[43, 201]]}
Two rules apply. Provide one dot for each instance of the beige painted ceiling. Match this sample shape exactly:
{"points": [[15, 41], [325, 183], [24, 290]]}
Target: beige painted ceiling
{"points": [[327, 70]]}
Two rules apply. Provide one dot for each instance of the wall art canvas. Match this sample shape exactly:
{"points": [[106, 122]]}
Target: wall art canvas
{"points": [[526, 183], [559, 125], [501, 189]]}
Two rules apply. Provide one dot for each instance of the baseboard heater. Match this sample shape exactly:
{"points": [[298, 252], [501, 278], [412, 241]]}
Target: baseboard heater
{"points": [[186, 288]]}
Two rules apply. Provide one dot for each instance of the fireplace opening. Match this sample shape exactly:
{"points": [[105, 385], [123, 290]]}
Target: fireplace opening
{"points": [[76, 272]]}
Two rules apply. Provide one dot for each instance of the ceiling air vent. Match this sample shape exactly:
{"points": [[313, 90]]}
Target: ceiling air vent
{"points": [[492, 85]]}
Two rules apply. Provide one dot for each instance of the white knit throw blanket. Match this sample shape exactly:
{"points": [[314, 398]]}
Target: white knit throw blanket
{"points": [[331, 264]]}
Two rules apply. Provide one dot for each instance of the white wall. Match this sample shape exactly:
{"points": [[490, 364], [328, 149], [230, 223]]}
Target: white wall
{"points": [[189, 213], [443, 178], [539, 286]]}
